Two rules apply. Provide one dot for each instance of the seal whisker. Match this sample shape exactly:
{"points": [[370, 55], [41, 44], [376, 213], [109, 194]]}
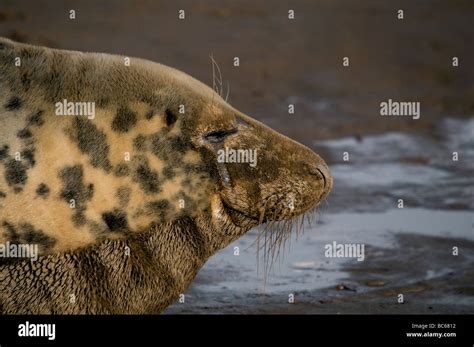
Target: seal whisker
{"points": [[228, 90], [213, 74], [213, 79], [277, 234], [218, 77]]}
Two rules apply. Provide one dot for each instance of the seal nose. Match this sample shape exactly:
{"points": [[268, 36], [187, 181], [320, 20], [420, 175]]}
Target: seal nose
{"points": [[323, 170]]}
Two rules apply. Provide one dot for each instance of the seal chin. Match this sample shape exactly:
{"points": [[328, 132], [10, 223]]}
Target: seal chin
{"points": [[238, 217], [235, 221]]}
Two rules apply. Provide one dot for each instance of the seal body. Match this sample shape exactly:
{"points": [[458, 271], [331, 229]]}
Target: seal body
{"points": [[88, 152], [127, 178]]}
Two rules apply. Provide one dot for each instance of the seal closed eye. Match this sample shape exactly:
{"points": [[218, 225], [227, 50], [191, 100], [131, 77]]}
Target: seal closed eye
{"points": [[219, 135]]}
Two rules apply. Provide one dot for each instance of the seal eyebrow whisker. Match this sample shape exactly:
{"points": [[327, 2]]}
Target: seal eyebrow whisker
{"points": [[212, 101], [217, 88], [228, 90], [213, 76], [219, 80]]}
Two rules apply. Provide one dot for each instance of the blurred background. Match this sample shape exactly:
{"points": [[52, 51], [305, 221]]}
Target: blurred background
{"points": [[408, 250]]}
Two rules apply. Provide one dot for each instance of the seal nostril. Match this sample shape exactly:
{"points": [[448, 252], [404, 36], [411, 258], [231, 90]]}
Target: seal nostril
{"points": [[327, 178], [324, 177]]}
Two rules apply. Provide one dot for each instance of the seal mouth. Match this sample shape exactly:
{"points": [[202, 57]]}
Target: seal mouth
{"points": [[240, 218], [237, 215]]}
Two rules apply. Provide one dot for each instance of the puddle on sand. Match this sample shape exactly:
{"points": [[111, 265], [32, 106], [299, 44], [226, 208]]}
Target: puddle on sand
{"points": [[418, 169], [438, 199], [303, 265]]}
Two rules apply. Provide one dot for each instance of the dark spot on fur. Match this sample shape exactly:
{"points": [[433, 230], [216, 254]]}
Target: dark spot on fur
{"points": [[158, 208], [158, 205], [170, 149], [36, 236], [178, 144], [24, 133], [36, 119], [146, 177], [4, 152], [151, 99], [196, 168], [102, 102], [25, 81], [79, 219], [12, 236], [149, 115], [15, 173], [2, 194], [124, 120], [74, 188], [13, 104], [139, 143], [11, 232], [170, 117], [189, 204], [93, 142], [186, 182], [26, 233], [29, 155], [169, 172], [122, 170], [98, 229], [42, 190], [136, 276], [116, 220], [123, 195], [156, 145]]}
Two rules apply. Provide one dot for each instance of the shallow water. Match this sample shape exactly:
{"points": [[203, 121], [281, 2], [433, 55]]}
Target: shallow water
{"points": [[438, 202]]}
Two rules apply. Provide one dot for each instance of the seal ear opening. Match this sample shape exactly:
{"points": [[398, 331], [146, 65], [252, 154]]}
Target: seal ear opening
{"points": [[170, 117]]}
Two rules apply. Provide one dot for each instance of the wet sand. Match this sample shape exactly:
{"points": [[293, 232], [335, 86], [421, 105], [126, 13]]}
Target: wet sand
{"points": [[337, 110], [369, 288]]}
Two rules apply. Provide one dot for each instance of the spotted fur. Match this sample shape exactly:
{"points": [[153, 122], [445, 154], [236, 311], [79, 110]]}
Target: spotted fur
{"points": [[128, 205]]}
